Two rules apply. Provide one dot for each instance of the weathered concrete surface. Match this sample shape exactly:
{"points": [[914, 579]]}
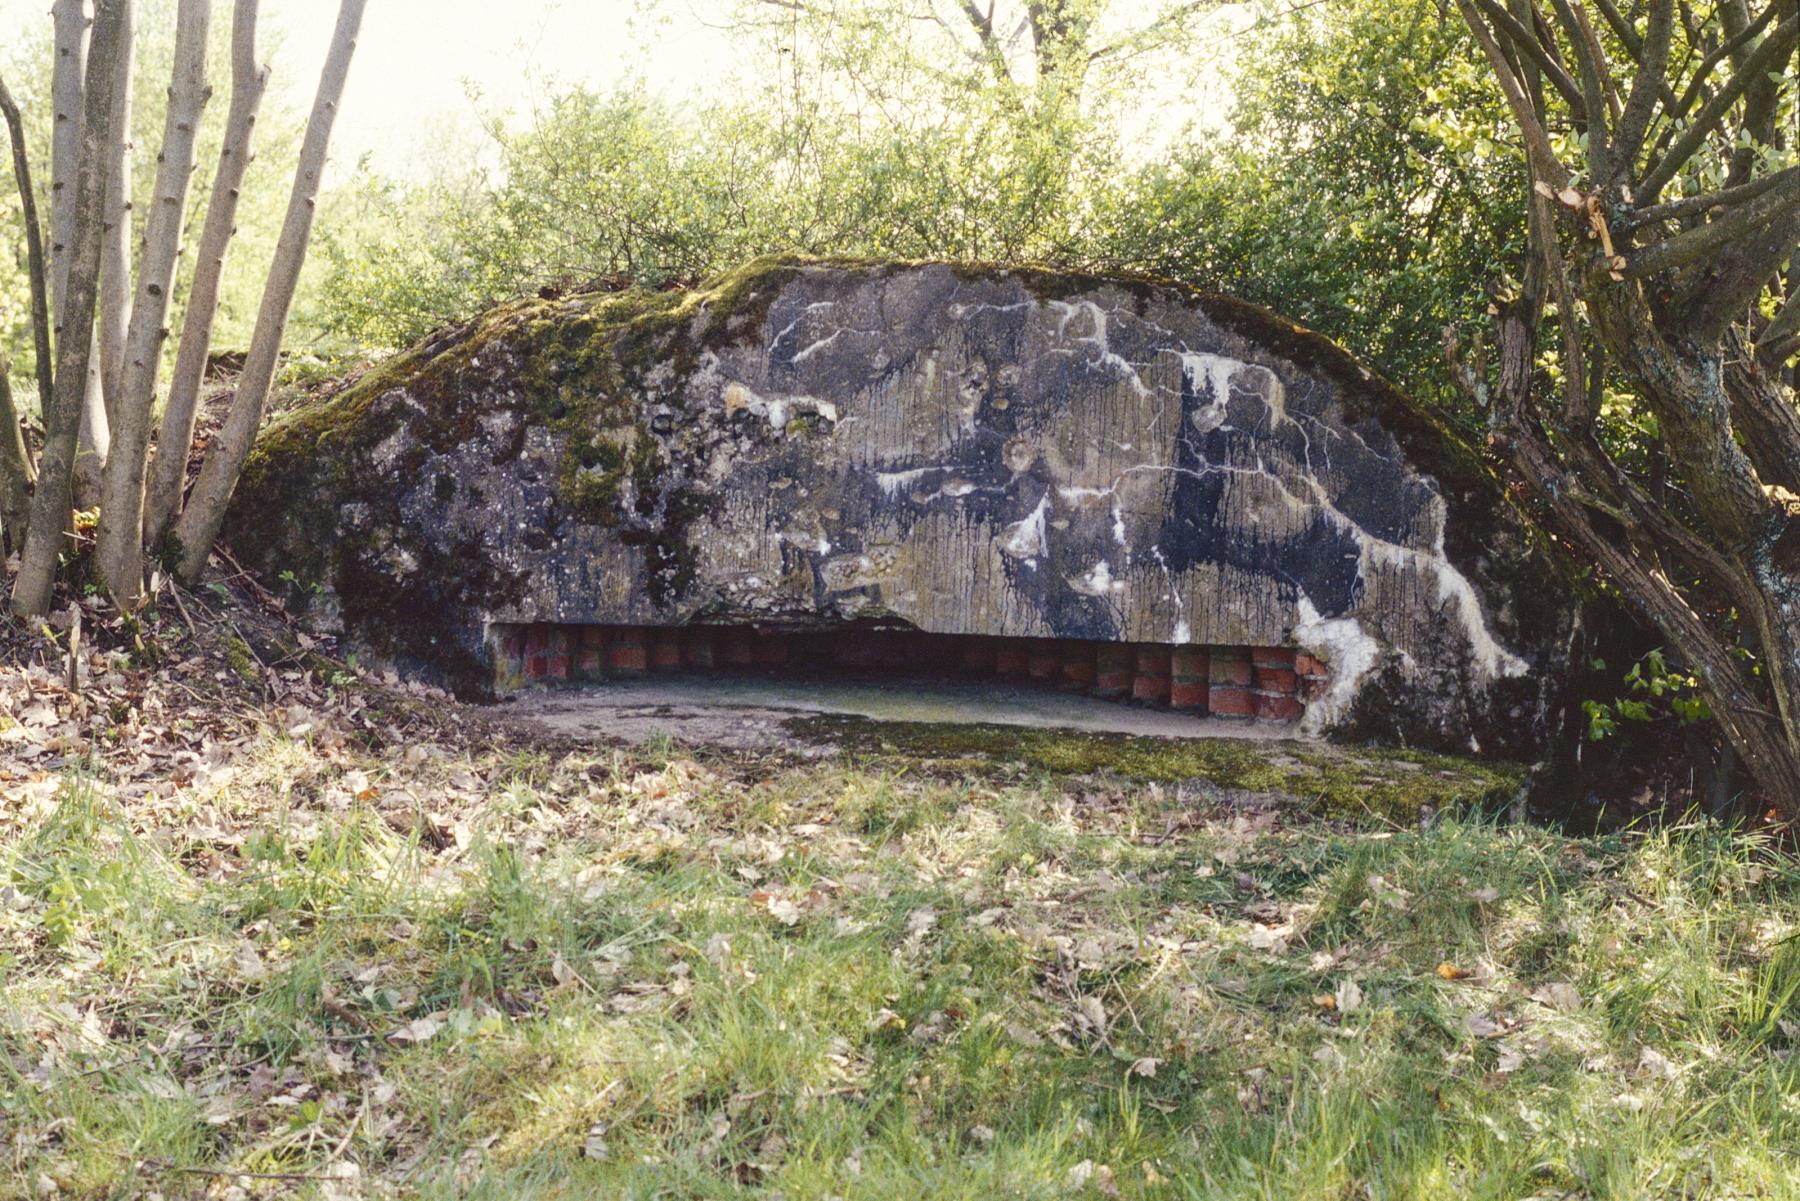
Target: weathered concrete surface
{"points": [[966, 450]]}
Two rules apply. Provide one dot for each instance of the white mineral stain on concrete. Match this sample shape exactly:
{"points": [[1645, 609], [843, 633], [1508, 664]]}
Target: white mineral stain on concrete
{"points": [[1342, 643], [1024, 539]]}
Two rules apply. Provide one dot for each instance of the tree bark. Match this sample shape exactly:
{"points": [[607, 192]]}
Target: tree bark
{"points": [[51, 504], [1670, 311], [169, 472], [15, 499], [119, 543], [115, 245], [67, 77], [199, 523], [68, 86], [35, 267]]}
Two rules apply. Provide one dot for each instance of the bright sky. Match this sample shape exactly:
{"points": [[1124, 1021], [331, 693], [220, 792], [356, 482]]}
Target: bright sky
{"points": [[406, 104], [416, 58]]}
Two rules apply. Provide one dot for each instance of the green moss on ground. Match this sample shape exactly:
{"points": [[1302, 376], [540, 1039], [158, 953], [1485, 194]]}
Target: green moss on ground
{"points": [[1394, 785]]}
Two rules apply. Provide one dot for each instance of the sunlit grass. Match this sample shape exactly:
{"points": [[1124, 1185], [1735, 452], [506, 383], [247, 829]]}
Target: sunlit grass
{"points": [[454, 975]]}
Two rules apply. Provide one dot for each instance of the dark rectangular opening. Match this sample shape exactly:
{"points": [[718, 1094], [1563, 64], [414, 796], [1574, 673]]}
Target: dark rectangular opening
{"points": [[1235, 683]]}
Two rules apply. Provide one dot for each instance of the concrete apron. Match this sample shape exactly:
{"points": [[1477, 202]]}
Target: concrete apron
{"points": [[749, 711]]}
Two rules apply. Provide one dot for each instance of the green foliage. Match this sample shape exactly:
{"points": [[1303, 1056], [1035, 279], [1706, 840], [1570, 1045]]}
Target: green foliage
{"points": [[1360, 190], [624, 187], [1656, 690]]}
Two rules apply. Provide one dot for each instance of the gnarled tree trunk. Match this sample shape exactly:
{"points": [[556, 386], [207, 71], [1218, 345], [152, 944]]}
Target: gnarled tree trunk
{"points": [[1662, 297]]}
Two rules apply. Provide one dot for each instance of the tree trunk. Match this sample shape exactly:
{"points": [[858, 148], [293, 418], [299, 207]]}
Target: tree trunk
{"points": [[35, 267], [115, 245], [169, 473], [67, 76], [68, 84], [51, 505], [15, 498], [119, 543], [200, 521]]}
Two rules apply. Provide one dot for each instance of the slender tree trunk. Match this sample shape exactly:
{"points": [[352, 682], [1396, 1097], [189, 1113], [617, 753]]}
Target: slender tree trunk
{"points": [[169, 472], [119, 542], [15, 498], [94, 437], [35, 267], [199, 523], [51, 505], [115, 244], [68, 85], [67, 77]]}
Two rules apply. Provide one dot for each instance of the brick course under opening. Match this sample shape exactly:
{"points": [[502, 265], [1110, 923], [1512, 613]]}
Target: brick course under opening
{"points": [[1265, 683]]}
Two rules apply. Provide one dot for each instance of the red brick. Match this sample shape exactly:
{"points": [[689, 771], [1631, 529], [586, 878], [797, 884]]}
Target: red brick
{"points": [[1188, 687], [978, 654], [1190, 696], [1113, 670], [699, 647], [1272, 707], [855, 649], [1231, 702], [665, 650], [1012, 657], [740, 646], [1078, 665], [626, 652], [1150, 684], [1272, 656], [1311, 688], [771, 648], [562, 664], [1306, 665], [1043, 659], [1230, 666], [1275, 679], [590, 651]]}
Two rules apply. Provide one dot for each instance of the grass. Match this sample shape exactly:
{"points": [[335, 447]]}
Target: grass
{"points": [[444, 971]]}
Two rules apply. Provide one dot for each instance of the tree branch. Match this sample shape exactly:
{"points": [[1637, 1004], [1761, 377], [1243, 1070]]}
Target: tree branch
{"points": [[1537, 141], [1691, 245], [1649, 86], [1528, 44], [1691, 206], [1679, 108], [1777, 46], [34, 250]]}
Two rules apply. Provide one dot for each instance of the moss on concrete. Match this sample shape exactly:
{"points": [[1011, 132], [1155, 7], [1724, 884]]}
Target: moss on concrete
{"points": [[1393, 785]]}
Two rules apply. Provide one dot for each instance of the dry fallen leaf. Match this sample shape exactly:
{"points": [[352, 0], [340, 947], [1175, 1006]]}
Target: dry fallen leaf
{"points": [[1558, 996], [1482, 1026], [1449, 971], [1349, 996]]}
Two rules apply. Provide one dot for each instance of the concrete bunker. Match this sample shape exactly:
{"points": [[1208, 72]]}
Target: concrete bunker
{"points": [[972, 464]]}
